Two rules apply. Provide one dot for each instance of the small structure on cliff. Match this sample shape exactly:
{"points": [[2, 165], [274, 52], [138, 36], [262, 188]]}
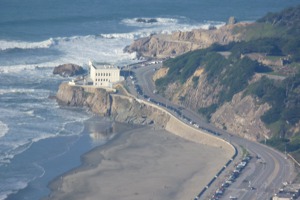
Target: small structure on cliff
{"points": [[104, 75]]}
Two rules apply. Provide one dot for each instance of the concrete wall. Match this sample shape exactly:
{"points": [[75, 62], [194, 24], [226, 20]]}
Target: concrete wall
{"points": [[178, 127], [188, 132]]}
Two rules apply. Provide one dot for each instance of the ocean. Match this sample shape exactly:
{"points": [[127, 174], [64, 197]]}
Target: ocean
{"points": [[39, 140]]}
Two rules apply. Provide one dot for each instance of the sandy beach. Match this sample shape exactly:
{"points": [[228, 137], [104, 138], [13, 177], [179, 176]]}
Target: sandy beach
{"points": [[142, 164]]}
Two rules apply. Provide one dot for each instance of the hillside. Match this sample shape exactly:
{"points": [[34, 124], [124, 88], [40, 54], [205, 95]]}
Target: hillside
{"points": [[249, 86]]}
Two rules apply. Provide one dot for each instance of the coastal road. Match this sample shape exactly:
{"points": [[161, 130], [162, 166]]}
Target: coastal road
{"points": [[264, 174]]}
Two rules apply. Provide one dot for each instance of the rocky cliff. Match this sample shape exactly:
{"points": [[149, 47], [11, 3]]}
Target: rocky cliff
{"points": [[194, 94], [118, 107], [97, 100], [241, 115], [164, 45]]}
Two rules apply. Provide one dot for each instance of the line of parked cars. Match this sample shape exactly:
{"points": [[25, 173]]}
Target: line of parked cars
{"points": [[177, 111], [231, 178]]}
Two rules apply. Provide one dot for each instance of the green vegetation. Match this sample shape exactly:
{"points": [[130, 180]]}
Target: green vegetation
{"points": [[195, 81], [207, 111], [286, 144], [232, 74], [259, 30], [284, 98], [288, 18], [275, 36], [182, 67], [236, 78], [245, 152], [214, 64], [296, 155]]}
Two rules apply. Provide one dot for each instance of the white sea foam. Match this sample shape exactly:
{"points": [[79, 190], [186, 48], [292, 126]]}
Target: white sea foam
{"points": [[80, 49], [11, 186], [168, 25], [11, 44], [16, 90], [3, 129], [105, 47], [146, 22], [15, 69]]}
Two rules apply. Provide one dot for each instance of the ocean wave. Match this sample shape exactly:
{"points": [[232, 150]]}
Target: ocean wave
{"points": [[11, 186], [103, 47], [167, 25], [3, 129], [16, 90], [32, 123], [10, 44], [19, 146], [145, 21]]}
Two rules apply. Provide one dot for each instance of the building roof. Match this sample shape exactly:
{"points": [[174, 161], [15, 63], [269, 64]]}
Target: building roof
{"points": [[102, 65]]}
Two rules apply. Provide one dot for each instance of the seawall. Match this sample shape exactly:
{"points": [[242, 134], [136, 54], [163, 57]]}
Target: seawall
{"points": [[136, 111]]}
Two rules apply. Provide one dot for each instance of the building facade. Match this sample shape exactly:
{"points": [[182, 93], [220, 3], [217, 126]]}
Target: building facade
{"points": [[104, 75]]}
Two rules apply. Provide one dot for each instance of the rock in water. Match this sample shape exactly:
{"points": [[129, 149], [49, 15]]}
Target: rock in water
{"points": [[66, 70]]}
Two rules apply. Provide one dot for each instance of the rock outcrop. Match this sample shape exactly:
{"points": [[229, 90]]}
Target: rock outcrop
{"points": [[118, 107], [193, 95], [67, 70], [177, 43], [242, 117]]}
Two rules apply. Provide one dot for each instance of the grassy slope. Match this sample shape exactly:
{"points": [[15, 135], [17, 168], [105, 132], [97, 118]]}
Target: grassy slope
{"points": [[275, 35]]}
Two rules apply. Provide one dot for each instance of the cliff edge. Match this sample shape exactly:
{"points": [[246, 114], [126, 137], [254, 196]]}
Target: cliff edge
{"points": [[118, 107], [177, 43]]}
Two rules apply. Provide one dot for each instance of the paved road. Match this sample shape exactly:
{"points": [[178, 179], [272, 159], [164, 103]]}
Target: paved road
{"points": [[264, 174]]}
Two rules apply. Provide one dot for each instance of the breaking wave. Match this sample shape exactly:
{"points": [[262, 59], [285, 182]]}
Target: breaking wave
{"points": [[10, 44], [145, 22], [3, 129]]}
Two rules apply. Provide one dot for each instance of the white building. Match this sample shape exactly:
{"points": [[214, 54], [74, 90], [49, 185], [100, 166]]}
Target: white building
{"points": [[104, 75]]}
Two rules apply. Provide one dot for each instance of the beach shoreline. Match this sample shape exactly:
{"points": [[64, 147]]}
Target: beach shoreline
{"points": [[143, 163]]}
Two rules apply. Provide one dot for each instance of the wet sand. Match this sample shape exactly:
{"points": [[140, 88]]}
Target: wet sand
{"points": [[142, 164]]}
